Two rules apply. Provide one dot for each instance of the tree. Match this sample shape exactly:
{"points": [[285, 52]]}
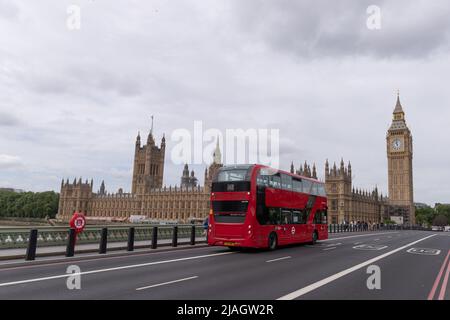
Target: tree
{"points": [[425, 215], [28, 204], [440, 221]]}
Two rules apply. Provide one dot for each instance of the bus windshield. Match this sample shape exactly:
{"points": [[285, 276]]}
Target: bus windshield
{"points": [[233, 174]]}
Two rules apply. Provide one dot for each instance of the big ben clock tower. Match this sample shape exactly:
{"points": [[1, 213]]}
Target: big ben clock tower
{"points": [[400, 176]]}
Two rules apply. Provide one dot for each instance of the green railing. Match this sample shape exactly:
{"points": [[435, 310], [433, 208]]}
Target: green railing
{"points": [[17, 237]]}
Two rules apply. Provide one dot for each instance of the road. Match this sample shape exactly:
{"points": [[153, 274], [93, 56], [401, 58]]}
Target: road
{"points": [[331, 269]]}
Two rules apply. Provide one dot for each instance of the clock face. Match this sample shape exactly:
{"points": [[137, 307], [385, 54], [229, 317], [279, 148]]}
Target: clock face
{"points": [[396, 144]]}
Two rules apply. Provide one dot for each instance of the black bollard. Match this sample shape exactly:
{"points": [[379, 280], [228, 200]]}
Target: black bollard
{"points": [[175, 236], [130, 246], [103, 241], [193, 235], [70, 249], [155, 238], [32, 243]]}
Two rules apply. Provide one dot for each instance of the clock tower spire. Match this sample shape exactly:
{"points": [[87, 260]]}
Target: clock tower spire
{"points": [[399, 154]]}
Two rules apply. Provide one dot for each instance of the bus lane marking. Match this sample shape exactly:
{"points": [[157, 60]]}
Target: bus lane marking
{"points": [[302, 291]]}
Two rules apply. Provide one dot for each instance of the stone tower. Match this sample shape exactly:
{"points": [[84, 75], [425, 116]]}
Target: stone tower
{"points": [[188, 181], [338, 185], [399, 145], [211, 172], [75, 197], [148, 168]]}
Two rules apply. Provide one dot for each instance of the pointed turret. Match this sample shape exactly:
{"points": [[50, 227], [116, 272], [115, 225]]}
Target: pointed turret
{"points": [[314, 172], [163, 141], [150, 139], [217, 156], [138, 140], [292, 166], [102, 190], [398, 106]]}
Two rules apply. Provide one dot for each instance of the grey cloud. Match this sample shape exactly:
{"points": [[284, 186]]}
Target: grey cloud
{"points": [[316, 29], [8, 120], [9, 161], [8, 9]]}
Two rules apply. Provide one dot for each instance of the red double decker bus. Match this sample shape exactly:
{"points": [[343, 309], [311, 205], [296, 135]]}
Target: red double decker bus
{"points": [[260, 207]]}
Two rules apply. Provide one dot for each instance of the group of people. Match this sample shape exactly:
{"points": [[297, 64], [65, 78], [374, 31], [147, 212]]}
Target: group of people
{"points": [[359, 225]]}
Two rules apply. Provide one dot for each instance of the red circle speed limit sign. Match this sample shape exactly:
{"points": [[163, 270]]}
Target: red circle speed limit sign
{"points": [[78, 221]]}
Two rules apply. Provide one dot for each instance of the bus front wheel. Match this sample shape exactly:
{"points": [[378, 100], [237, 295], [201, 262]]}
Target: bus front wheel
{"points": [[273, 241]]}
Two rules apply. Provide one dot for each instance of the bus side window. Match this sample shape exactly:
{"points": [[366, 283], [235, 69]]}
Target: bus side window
{"points": [[286, 217], [262, 181], [296, 217], [297, 185], [286, 182], [274, 216], [324, 216], [307, 186], [322, 192], [275, 182]]}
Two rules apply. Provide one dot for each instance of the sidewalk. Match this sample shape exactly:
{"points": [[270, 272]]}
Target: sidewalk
{"points": [[20, 253]]}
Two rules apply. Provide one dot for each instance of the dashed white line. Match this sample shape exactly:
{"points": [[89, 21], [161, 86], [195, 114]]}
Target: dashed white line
{"points": [[165, 283], [112, 269], [331, 248], [278, 259], [318, 284], [358, 235]]}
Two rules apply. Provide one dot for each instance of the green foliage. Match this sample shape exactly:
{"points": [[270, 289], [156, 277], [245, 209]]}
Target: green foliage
{"points": [[29, 204], [425, 216], [440, 221], [429, 216], [388, 221]]}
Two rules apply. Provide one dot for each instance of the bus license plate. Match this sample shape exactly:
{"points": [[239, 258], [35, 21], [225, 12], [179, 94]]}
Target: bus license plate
{"points": [[229, 243]]}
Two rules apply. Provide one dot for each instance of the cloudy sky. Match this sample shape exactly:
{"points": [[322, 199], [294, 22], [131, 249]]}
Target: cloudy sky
{"points": [[72, 101]]}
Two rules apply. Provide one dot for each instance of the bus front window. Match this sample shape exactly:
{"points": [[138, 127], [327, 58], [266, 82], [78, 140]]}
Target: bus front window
{"points": [[232, 175]]}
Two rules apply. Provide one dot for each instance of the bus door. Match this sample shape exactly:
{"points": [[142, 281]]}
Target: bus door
{"points": [[297, 230], [321, 222], [286, 234], [309, 210]]}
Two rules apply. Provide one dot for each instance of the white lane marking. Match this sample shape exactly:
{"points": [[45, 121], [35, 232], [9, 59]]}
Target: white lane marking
{"points": [[278, 259], [359, 235], [112, 269], [74, 260], [164, 283], [333, 244], [369, 247], [329, 248], [424, 251], [358, 242], [320, 283]]}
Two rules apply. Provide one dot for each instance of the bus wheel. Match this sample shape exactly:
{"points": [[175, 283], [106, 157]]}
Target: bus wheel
{"points": [[273, 241], [314, 238]]}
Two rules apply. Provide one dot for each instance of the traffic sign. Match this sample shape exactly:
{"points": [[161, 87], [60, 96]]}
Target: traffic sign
{"points": [[78, 222]]}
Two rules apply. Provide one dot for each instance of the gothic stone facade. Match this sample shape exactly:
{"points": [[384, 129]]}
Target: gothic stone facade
{"points": [[148, 197], [345, 203]]}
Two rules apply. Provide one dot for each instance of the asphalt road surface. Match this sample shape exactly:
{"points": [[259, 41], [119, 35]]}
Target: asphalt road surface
{"points": [[394, 264]]}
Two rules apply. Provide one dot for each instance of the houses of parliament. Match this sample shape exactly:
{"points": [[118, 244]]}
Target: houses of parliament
{"points": [[190, 200]]}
